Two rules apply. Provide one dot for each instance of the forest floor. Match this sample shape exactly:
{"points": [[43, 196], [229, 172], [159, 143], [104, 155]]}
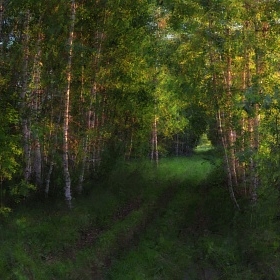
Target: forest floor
{"points": [[142, 222]]}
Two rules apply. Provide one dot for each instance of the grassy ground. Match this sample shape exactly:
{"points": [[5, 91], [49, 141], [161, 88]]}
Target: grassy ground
{"points": [[171, 222]]}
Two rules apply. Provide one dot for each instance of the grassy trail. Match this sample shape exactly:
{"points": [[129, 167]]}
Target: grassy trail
{"points": [[140, 223], [160, 251]]}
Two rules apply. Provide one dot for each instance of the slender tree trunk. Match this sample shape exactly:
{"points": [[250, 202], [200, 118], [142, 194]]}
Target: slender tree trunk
{"points": [[83, 167], [177, 145], [243, 166], [25, 119], [93, 124], [36, 106], [221, 119], [229, 173], [245, 85], [48, 178], [254, 122], [67, 177], [231, 134], [51, 162], [26, 148], [233, 161], [154, 141], [101, 124], [92, 115], [84, 141], [37, 161], [1, 23], [252, 163], [129, 147]]}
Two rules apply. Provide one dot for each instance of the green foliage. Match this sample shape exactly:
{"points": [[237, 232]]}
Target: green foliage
{"points": [[179, 62], [4, 211], [10, 149], [21, 190]]}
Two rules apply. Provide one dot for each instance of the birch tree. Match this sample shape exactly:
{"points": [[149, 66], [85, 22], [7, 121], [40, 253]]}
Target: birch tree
{"points": [[67, 177]]}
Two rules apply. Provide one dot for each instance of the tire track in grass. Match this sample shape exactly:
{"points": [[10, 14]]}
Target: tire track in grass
{"points": [[91, 256], [123, 235], [161, 252], [90, 235], [157, 244]]}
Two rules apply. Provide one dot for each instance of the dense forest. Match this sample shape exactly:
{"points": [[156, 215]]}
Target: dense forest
{"points": [[94, 90]]}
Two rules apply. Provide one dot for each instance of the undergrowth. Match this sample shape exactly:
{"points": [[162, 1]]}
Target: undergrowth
{"points": [[171, 222]]}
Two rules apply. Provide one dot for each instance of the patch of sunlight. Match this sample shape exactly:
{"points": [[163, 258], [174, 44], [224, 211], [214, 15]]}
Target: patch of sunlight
{"points": [[204, 144]]}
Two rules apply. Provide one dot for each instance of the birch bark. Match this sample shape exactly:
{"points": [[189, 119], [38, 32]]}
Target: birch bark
{"points": [[230, 131], [220, 117], [227, 161], [67, 178]]}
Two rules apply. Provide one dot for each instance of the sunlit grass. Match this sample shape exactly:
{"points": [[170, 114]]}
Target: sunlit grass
{"points": [[192, 169]]}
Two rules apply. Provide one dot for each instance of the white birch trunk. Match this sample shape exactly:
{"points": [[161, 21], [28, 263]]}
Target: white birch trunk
{"points": [[231, 138], [67, 178], [230, 182]]}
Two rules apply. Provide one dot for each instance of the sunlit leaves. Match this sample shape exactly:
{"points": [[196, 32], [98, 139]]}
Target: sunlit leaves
{"points": [[9, 141]]}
